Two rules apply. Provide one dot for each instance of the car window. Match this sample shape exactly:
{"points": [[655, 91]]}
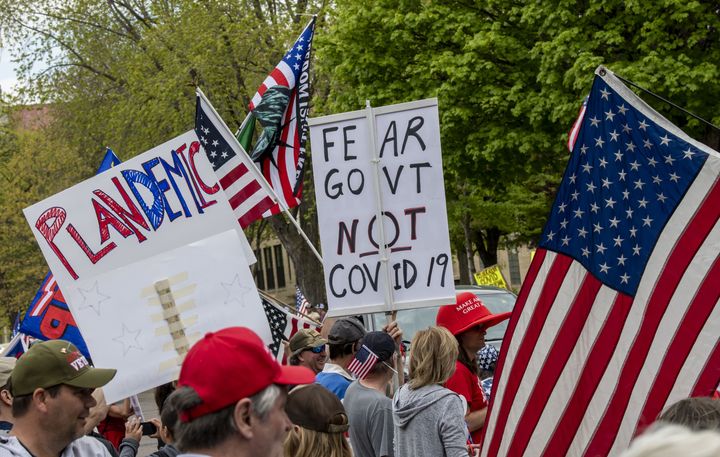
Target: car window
{"points": [[412, 320]]}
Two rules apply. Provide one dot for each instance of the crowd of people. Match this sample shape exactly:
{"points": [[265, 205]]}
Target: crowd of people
{"points": [[342, 395]]}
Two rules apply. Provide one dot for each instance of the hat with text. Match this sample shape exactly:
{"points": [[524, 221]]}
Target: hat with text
{"points": [[304, 339], [54, 362], [6, 367], [346, 330], [231, 364], [467, 312], [315, 408]]}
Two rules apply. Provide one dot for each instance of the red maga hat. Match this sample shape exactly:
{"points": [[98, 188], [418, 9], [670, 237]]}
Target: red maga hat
{"points": [[231, 364], [467, 312]]}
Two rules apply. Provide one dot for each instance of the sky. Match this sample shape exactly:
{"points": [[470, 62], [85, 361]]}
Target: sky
{"points": [[7, 71]]}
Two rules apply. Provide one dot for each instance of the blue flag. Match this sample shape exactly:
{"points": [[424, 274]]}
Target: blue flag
{"points": [[49, 317]]}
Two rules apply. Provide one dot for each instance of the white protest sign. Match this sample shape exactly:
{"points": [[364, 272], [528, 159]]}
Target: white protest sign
{"points": [[412, 200], [106, 238]]}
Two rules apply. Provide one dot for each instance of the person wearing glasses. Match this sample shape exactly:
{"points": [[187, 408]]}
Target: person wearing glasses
{"points": [[468, 320], [307, 349]]}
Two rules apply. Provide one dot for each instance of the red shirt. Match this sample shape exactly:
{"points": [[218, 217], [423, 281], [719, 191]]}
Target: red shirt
{"points": [[467, 384]]}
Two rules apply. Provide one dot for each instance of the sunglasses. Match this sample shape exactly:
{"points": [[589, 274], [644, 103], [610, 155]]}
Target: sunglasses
{"points": [[317, 349]]}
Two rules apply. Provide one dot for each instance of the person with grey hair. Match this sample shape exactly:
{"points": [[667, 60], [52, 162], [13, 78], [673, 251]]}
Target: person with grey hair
{"points": [[674, 440], [231, 396], [696, 413]]}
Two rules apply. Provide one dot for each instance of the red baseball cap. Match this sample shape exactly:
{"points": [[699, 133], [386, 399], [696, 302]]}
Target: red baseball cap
{"points": [[231, 364], [467, 312]]}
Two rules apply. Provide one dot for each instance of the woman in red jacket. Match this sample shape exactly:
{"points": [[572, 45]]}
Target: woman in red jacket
{"points": [[468, 319]]}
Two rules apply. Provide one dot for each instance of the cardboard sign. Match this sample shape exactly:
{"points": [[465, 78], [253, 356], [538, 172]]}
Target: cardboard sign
{"points": [[491, 276], [160, 215], [407, 187]]}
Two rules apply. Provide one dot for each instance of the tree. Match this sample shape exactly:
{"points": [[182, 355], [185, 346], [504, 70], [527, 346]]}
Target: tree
{"points": [[123, 74]]}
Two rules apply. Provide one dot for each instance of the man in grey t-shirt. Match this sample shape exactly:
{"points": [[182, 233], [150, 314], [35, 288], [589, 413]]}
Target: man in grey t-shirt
{"points": [[369, 410]]}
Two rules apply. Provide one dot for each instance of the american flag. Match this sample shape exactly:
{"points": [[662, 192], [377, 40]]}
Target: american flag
{"points": [[301, 303], [618, 315], [283, 325], [285, 171], [236, 172], [363, 362]]}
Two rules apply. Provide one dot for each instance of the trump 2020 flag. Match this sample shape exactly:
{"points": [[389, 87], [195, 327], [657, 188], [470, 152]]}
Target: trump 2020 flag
{"points": [[281, 106], [618, 316], [246, 193]]}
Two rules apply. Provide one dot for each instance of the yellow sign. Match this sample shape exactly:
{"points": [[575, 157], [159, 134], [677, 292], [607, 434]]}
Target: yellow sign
{"points": [[491, 276]]}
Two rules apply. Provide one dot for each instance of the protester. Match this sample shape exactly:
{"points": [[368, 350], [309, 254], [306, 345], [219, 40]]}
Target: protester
{"points": [[468, 320], [367, 406], [6, 366], [674, 441], [696, 413], [428, 418], [52, 385], [112, 428], [231, 397], [133, 433], [319, 421], [307, 349], [343, 339], [487, 358]]}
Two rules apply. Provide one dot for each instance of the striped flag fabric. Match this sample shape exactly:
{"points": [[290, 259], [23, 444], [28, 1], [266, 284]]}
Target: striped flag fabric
{"points": [[283, 325], [618, 316], [363, 362], [284, 164], [573, 134], [301, 303], [248, 197]]}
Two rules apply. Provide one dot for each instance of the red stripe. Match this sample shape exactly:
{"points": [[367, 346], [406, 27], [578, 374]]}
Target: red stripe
{"points": [[575, 130], [552, 284], [556, 360], [282, 157], [683, 251], [530, 278], [233, 175], [695, 318], [709, 379], [589, 379], [255, 212], [243, 194], [280, 78]]}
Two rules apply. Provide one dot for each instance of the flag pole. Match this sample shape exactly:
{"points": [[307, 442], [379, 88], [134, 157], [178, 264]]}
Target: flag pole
{"points": [[273, 195]]}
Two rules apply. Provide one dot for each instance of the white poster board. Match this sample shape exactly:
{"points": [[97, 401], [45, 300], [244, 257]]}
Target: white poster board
{"points": [[159, 215], [411, 196]]}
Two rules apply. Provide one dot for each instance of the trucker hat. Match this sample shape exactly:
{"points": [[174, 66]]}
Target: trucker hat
{"points": [[229, 365], [305, 338], [467, 312], [6, 367], [49, 363]]}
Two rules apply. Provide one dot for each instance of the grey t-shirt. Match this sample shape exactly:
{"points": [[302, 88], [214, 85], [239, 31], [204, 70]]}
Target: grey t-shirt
{"points": [[371, 423]]}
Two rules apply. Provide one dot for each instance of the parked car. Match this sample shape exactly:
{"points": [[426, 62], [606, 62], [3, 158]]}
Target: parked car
{"points": [[497, 300]]}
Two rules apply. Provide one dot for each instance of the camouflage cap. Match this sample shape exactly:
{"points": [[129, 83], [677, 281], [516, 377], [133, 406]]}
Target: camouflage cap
{"points": [[304, 339]]}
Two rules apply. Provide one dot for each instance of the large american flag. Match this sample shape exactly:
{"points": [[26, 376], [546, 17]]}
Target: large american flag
{"points": [[283, 325], [284, 172], [618, 315], [245, 191]]}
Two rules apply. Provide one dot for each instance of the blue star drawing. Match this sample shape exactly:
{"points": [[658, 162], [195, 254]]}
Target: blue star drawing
{"points": [[128, 339], [235, 291], [92, 298]]}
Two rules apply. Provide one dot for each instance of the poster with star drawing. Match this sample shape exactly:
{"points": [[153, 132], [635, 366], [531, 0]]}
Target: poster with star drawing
{"points": [[129, 328]]}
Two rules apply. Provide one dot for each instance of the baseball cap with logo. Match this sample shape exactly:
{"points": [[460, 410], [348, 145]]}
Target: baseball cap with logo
{"points": [[316, 408], [304, 339], [231, 364], [49, 363], [467, 312]]}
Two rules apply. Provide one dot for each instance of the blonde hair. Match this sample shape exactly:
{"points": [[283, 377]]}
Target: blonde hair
{"points": [[302, 442], [432, 357]]}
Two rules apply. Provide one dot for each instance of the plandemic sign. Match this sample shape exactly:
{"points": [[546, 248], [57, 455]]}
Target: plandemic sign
{"points": [[160, 199], [405, 192]]}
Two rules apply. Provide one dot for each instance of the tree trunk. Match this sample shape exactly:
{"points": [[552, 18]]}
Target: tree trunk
{"points": [[712, 138], [469, 251], [463, 272], [487, 244]]}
